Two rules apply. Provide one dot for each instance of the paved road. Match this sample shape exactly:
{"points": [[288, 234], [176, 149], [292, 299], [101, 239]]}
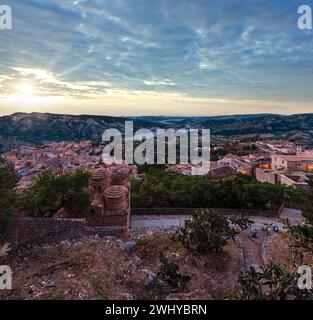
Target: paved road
{"points": [[142, 222], [293, 215], [154, 221]]}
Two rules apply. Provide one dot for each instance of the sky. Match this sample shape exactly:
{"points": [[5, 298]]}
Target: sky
{"points": [[160, 57]]}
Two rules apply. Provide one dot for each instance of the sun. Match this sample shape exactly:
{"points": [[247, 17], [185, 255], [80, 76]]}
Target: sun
{"points": [[25, 89], [27, 97], [24, 96]]}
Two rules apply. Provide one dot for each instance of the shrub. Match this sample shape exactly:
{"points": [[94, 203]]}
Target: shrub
{"points": [[8, 182], [169, 272], [307, 205], [243, 222], [272, 283], [303, 240], [142, 242], [303, 235], [207, 232]]}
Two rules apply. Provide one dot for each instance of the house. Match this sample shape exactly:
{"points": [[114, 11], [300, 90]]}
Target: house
{"points": [[237, 164], [297, 180], [222, 172], [291, 162]]}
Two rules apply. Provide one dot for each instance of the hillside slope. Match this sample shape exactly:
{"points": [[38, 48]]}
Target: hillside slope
{"points": [[37, 128]]}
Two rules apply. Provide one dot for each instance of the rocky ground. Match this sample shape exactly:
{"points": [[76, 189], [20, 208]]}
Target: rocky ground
{"points": [[110, 268]]}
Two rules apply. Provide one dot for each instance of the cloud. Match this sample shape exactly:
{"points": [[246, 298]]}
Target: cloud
{"points": [[159, 82], [230, 50], [46, 82]]}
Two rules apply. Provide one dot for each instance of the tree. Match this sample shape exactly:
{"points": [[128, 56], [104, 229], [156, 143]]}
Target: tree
{"points": [[49, 193], [160, 189], [307, 206], [152, 193], [8, 181], [42, 199], [73, 191]]}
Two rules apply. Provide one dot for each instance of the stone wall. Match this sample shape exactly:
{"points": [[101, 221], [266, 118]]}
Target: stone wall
{"points": [[42, 230], [38, 231], [266, 176]]}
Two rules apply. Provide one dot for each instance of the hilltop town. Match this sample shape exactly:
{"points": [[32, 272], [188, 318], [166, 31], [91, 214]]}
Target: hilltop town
{"points": [[273, 161], [59, 158]]}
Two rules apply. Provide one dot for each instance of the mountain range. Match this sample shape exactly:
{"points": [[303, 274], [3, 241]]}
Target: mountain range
{"points": [[37, 128]]}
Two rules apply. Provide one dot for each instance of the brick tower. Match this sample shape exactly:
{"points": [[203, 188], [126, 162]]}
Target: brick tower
{"points": [[110, 190]]}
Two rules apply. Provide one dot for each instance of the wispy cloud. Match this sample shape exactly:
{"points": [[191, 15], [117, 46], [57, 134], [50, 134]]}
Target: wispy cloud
{"points": [[231, 50]]}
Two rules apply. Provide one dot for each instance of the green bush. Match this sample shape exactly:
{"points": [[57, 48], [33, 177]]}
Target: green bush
{"points": [[307, 206], [272, 283], [303, 240], [8, 181], [303, 235], [243, 222], [207, 232], [169, 272]]}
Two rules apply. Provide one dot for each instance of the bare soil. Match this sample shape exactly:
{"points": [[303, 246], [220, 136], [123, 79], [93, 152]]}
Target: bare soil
{"points": [[98, 268]]}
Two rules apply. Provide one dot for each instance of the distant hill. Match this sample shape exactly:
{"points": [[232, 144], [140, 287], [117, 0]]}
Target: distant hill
{"points": [[243, 124], [37, 128]]}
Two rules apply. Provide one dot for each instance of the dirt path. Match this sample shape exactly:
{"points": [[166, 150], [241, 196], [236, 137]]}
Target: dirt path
{"points": [[251, 247]]}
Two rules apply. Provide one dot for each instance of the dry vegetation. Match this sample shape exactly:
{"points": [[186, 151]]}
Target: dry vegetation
{"points": [[281, 249], [99, 269], [96, 268]]}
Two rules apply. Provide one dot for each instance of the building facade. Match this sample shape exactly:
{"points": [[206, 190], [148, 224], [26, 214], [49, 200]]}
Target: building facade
{"points": [[290, 162]]}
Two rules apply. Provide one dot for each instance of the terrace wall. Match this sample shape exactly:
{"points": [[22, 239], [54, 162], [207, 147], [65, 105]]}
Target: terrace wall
{"points": [[38, 231], [42, 230]]}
